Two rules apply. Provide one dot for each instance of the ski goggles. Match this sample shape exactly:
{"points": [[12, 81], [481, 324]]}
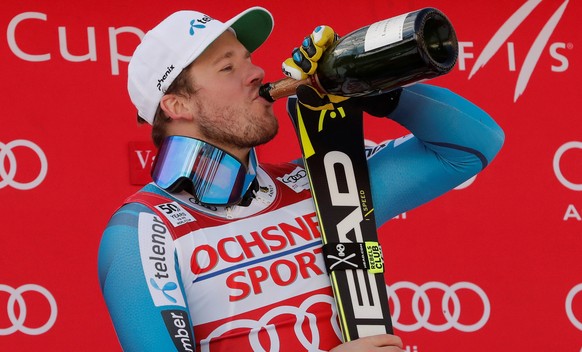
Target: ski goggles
{"points": [[210, 174]]}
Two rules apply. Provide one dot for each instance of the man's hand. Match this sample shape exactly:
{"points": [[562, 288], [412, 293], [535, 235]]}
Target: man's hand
{"points": [[303, 63], [385, 343], [303, 60]]}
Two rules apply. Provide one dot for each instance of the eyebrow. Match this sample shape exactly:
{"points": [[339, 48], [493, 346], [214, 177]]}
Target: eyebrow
{"points": [[227, 55]]}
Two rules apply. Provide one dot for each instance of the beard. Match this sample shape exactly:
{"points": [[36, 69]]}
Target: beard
{"points": [[236, 127]]}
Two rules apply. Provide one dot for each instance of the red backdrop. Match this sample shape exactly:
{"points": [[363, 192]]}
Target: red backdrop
{"points": [[494, 264]]}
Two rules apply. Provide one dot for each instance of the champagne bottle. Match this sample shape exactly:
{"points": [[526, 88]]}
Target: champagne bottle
{"points": [[392, 53]]}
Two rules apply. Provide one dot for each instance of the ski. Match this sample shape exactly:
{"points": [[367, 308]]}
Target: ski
{"points": [[332, 145]]}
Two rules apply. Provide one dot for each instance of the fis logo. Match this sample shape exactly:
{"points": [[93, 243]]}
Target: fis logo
{"points": [[534, 53]]}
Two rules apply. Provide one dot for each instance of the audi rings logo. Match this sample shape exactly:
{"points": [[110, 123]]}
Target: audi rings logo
{"points": [[423, 313], [8, 176], [295, 177], [18, 317], [309, 340], [569, 306], [558, 170]]}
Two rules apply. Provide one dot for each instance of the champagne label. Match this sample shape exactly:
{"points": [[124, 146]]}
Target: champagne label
{"points": [[384, 32]]}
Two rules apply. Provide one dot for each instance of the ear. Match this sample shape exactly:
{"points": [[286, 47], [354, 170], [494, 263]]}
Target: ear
{"points": [[175, 107]]}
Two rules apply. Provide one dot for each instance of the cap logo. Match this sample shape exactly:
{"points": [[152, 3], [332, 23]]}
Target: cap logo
{"points": [[169, 70], [199, 23]]}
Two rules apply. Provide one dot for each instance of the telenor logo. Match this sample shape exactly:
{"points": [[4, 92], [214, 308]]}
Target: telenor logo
{"points": [[199, 24], [193, 25], [168, 286], [158, 261]]}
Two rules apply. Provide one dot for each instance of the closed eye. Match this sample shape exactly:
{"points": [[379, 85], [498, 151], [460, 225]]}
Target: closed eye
{"points": [[227, 68]]}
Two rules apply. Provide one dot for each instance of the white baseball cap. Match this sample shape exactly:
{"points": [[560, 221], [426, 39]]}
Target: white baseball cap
{"points": [[177, 41]]}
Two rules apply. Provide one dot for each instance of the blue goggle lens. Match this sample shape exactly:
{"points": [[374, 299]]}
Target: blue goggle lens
{"points": [[211, 175]]}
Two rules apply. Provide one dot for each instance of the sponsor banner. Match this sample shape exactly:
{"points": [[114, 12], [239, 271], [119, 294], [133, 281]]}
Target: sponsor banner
{"points": [[231, 264], [296, 180], [141, 156], [179, 329], [501, 252], [157, 258]]}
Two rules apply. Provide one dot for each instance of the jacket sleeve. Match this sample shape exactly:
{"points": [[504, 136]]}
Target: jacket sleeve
{"points": [[451, 140], [141, 284]]}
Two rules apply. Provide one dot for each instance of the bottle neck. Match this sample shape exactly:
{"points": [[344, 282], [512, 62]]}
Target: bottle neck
{"points": [[287, 86]]}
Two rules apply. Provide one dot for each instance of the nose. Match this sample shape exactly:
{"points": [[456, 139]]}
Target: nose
{"points": [[256, 75]]}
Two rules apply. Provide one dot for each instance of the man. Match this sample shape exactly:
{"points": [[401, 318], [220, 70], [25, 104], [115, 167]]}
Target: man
{"points": [[219, 253]]}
